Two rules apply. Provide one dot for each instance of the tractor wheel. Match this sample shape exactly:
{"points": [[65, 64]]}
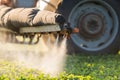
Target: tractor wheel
{"points": [[98, 22]]}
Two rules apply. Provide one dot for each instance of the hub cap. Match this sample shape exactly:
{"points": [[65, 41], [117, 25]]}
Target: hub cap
{"points": [[90, 25]]}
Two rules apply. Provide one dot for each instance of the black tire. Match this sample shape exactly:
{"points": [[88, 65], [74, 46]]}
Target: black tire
{"points": [[107, 12]]}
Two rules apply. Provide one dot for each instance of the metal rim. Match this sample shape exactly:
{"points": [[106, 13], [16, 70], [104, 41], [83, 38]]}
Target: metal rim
{"points": [[98, 24]]}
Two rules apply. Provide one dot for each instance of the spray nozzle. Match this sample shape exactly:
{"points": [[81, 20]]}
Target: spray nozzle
{"points": [[66, 30]]}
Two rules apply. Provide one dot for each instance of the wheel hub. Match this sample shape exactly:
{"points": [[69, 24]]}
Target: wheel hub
{"points": [[91, 25]]}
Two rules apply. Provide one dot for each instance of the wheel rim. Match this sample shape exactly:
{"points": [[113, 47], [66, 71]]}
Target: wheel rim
{"points": [[98, 24]]}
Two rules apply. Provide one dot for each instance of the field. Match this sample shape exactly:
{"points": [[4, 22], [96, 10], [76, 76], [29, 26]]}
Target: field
{"points": [[100, 67], [78, 67]]}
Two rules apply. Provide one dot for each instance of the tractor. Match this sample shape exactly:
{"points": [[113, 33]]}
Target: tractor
{"points": [[98, 22]]}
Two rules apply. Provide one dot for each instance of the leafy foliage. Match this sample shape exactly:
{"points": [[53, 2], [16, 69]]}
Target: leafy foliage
{"points": [[78, 67], [98, 67]]}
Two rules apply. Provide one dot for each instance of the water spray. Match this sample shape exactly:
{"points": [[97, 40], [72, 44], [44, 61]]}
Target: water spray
{"points": [[47, 55]]}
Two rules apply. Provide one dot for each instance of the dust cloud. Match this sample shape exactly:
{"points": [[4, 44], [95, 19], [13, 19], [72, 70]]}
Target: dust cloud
{"points": [[46, 57]]}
